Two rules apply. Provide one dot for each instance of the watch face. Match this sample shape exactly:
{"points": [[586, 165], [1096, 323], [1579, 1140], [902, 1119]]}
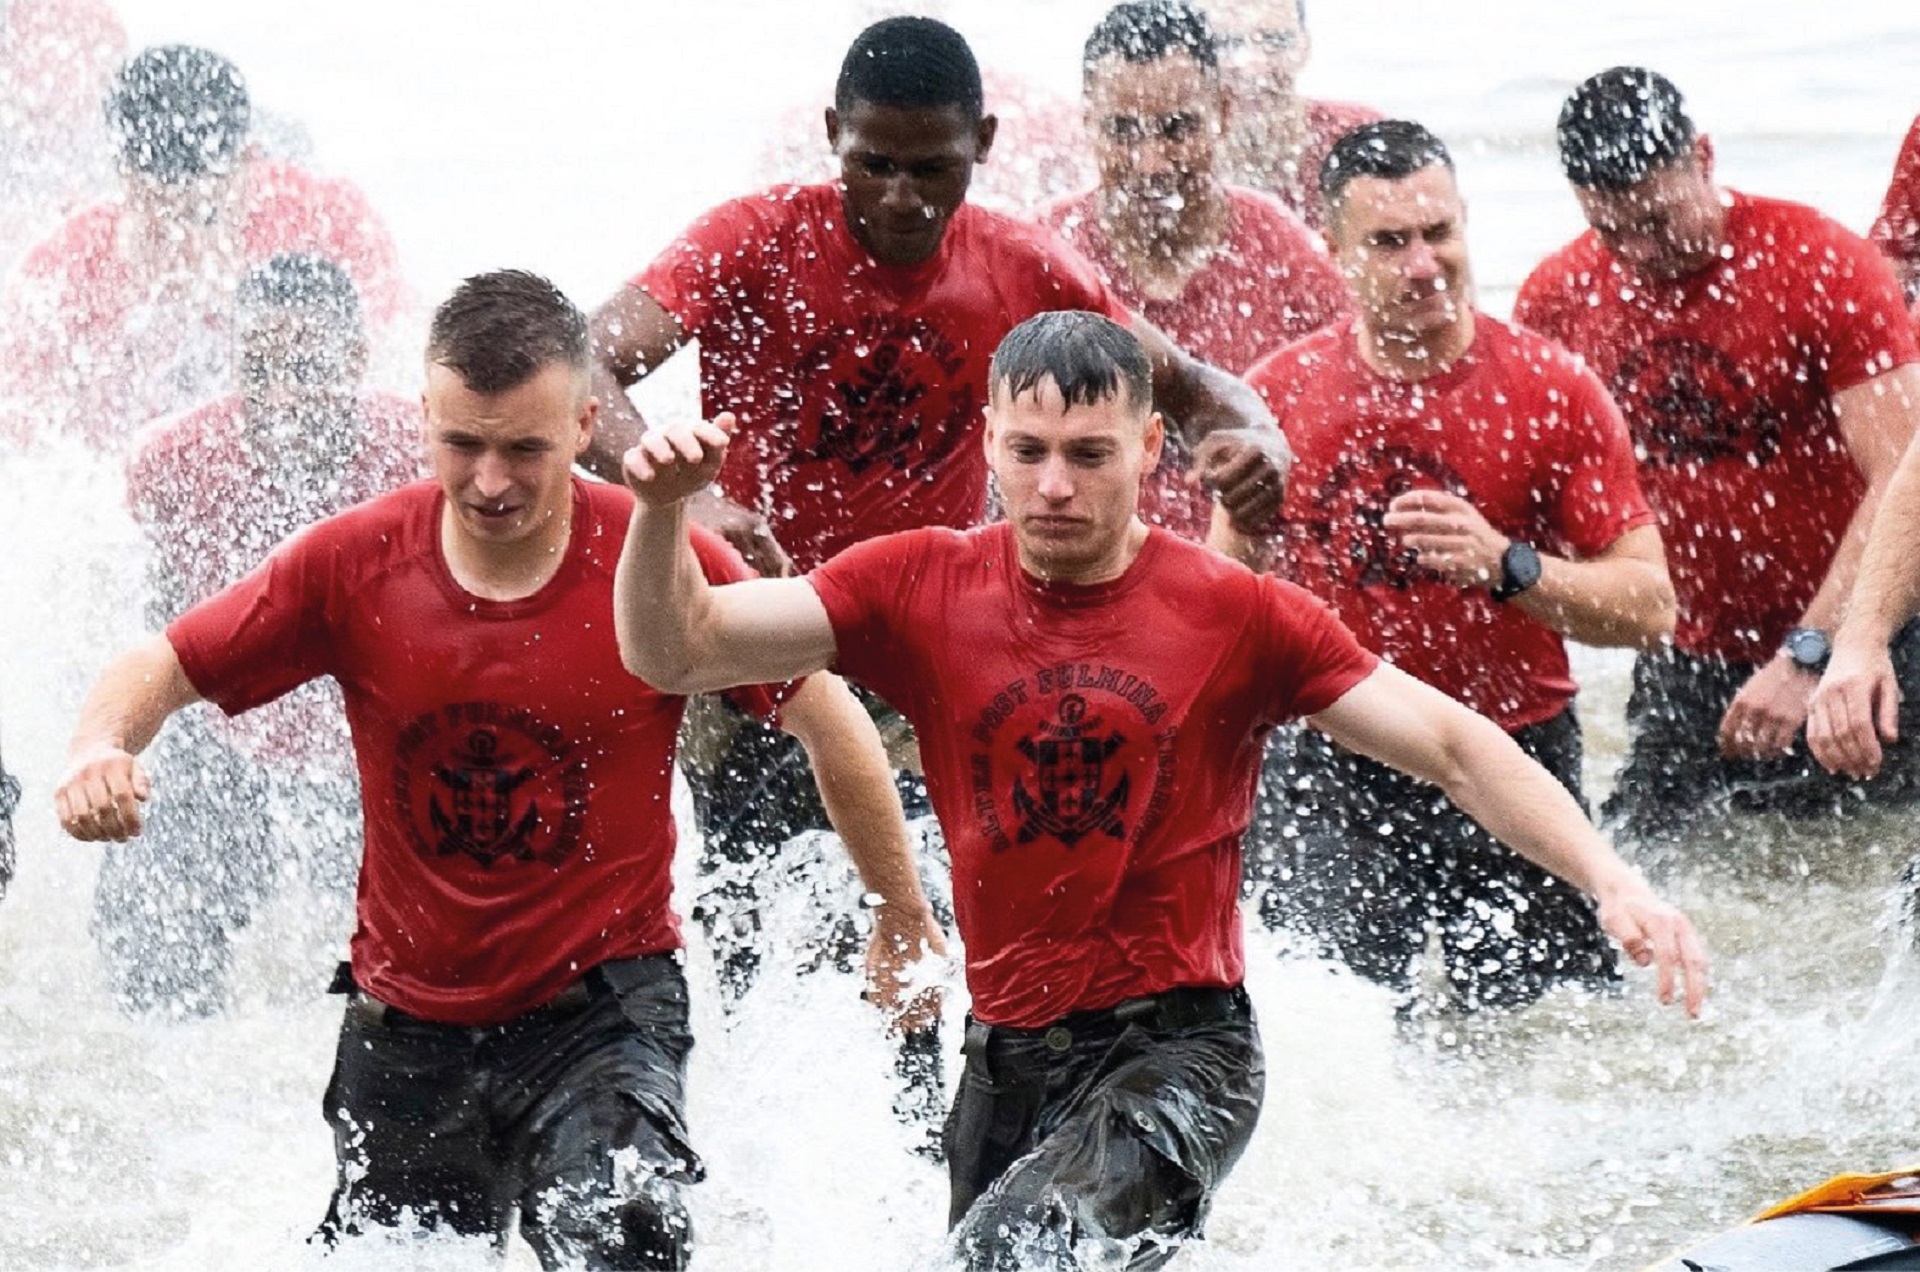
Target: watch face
{"points": [[1807, 646], [1522, 565]]}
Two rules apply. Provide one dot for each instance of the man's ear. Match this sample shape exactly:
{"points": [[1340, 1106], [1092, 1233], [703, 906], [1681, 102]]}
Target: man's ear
{"points": [[983, 138], [1703, 155], [832, 118], [589, 417]]}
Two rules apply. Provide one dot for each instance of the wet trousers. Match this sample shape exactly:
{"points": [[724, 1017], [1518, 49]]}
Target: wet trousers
{"points": [[1102, 1137], [571, 1116], [1375, 859]]}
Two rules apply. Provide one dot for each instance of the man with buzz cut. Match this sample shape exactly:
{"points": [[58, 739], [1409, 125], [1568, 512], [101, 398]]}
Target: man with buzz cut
{"points": [[515, 1037], [1091, 695], [1464, 498], [1764, 361]]}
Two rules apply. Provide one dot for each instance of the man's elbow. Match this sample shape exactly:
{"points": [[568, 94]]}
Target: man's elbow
{"points": [[1659, 613], [647, 662]]}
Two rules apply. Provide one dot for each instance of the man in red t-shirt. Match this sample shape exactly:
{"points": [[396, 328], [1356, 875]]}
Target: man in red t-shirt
{"points": [[1464, 497], [214, 490], [1276, 138], [515, 972], [1227, 272], [119, 316], [1092, 696], [1768, 372], [1896, 231]]}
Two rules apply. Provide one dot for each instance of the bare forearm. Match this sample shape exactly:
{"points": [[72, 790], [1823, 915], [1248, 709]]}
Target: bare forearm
{"points": [[1201, 399], [1624, 602], [1886, 587], [131, 700], [659, 596], [619, 426]]}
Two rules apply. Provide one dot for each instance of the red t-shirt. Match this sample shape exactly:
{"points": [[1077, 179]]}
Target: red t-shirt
{"points": [[1896, 231], [1726, 379], [514, 776], [1271, 284], [860, 388], [1091, 751], [1517, 428], [96, 345], [212, 508]]}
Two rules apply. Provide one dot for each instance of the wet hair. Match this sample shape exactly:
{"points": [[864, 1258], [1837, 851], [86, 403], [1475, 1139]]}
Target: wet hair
{"points": [[1390, 149], [300, 280], [1148, 30], [913, 64], [1621, 125], [498, 330], [1088, 357], [178, 112]]}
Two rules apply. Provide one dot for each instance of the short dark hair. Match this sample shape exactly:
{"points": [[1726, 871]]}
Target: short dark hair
{"points": [[1390, 149], [300, 280], [1148, 30], [1089, 358], [912, 63], [497, 330], [1620, 125], [179, 112]]}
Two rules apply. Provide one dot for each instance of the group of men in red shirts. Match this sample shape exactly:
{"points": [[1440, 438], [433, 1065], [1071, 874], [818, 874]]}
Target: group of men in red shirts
{"points": [[1093, 694]]}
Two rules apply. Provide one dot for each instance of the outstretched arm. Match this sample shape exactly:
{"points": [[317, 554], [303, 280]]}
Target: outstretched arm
{"points": [[1415, 728], [100, 796], [1239, 452], [856, 785], [676, 631]]}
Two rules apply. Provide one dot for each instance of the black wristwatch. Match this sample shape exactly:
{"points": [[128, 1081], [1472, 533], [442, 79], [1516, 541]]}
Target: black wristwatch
{"points": [[1519, 570], [1808, 647]]}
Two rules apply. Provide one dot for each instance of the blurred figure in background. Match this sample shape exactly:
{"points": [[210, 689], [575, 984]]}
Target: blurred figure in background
{"points": [[1226, 272], [1276, 137], [214, 490], [9, 801], [1464, 499], [56, 58], [120, 316], [1896, 231], [1767, 368]]}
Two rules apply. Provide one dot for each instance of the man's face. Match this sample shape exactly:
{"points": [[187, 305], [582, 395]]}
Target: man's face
{"points": [[296, 368], [906, 172], [1155, 127], [1263, 48], [505, 460], [1666, 227], [1402, 246], [1070, 479]]}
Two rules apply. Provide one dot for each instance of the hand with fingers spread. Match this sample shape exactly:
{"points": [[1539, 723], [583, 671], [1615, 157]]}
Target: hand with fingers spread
{"points": [[1654, 933], [100, 796], [1449, 536], [1764, 717], [1246, 469], [1855, 710], [669, 465], [902, 940]]}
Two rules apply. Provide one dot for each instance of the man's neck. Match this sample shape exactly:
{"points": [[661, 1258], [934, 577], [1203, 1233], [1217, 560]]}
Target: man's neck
{"points": [[1106, 570], [1160, 250], [506, 571], [1408, 357]]}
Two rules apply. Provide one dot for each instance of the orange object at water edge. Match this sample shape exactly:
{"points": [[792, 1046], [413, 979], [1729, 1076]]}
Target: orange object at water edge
{"points": [[1894, 1193]]}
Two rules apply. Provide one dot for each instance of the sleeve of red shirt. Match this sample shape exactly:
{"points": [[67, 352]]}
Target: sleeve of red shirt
{"points": [[268, 633], [1315, 660], [722, 565], [1600, 499], [717, 252], [1537, 306], [1897, 229], [866, 591], [1860, 307]]}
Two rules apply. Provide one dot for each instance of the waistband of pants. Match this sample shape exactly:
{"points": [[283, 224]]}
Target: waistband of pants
{"points": [[611, 977], [1181, 1008]]}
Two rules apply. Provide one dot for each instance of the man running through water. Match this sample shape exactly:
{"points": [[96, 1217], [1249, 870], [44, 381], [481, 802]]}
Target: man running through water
{"points": [[515, 1040], [1091, 696]]}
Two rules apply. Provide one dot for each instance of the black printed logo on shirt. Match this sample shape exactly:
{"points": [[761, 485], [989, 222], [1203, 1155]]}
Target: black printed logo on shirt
{"points": [[1071, 798], [489, 782], [873, 391], [1688, 402], [1349, 511]]}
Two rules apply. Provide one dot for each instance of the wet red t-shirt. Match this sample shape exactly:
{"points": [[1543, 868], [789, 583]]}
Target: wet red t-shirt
{"points": [[96, 344], [1517, 428], [212, 507], [1091, 751], [1727, 379], [515, 776], [860, 388], [1270, 284], [1896, 231]]}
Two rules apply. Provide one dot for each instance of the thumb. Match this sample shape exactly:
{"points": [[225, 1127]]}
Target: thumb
{"points": [[142, 784]]}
